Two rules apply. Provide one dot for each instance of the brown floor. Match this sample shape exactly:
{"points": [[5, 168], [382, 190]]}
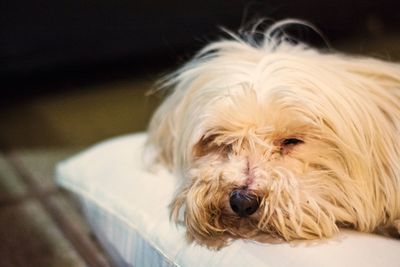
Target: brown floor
{"points": [[39, 224]]}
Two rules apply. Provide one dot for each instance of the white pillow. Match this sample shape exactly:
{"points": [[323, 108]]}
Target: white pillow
{"points": [[127, 210]]}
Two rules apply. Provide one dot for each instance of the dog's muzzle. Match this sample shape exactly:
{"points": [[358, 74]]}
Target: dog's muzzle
{"points": [[243, 202]]}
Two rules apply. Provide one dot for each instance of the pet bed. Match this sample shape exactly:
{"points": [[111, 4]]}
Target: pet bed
{"points": [[127, 209]]}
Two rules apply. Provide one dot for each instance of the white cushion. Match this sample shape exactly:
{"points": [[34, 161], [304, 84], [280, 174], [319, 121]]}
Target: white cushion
{"points": [[127, 208]]}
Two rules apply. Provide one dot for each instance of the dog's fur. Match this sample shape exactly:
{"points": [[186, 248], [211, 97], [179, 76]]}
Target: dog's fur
{"points": [[227, 123]]}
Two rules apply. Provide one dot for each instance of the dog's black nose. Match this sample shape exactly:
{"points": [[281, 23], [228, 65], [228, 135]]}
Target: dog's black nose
{"points": [[243, 203]]}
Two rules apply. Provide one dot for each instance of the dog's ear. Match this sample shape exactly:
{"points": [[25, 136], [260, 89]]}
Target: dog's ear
{"points": [[162, 132], [378, 73], [378, 129]]}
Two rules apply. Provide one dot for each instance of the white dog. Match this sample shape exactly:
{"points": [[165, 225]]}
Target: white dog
{"points": [[277, 139]]}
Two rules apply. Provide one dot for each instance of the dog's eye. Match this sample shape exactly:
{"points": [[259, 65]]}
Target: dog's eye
{"points": [[291, 142]]}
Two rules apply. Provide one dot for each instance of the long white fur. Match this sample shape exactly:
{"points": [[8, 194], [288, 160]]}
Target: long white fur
{"points": [[248, 97]]}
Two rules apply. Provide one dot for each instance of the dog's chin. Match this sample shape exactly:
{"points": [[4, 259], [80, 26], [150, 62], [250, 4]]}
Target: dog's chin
{"points": [[219, 230], [283, 215], [227, 228]]}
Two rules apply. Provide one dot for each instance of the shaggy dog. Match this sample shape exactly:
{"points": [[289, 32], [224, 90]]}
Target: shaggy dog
{"points": [[273, 138]]}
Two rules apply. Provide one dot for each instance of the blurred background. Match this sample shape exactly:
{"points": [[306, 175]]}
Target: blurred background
{"points": [[75, 72]]}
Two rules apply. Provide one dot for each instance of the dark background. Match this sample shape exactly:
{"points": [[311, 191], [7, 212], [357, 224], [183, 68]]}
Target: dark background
{"points": [[46, 44]]}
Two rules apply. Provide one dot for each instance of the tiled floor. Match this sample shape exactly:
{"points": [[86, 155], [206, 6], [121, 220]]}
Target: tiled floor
{"points": [[39, 224]]}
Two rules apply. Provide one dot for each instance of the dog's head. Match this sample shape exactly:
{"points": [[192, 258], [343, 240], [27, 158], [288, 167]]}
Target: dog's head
{"points": [[279, 139]]}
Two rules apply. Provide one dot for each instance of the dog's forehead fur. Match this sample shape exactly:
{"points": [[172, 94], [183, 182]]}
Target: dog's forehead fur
{"points": [[260, 87], [230, 111]]}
